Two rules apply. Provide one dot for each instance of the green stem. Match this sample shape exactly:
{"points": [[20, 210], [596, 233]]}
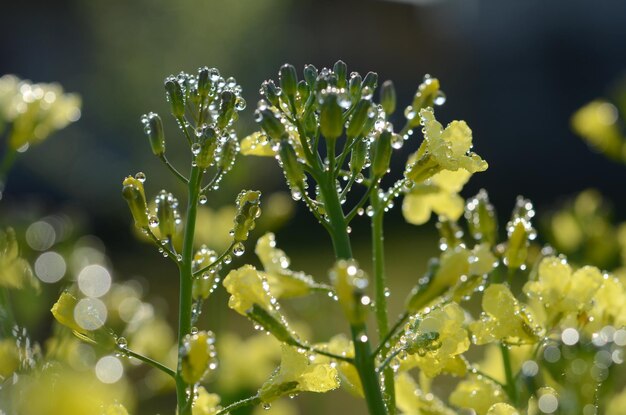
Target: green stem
{"points": [[387, 339], [149, 361], [511, 388], [367, 371], [382, 319], [253, 400], [186, 284], [363, 359]]}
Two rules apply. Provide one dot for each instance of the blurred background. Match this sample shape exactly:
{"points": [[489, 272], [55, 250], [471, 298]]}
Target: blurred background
{"points": [[515, 71]]}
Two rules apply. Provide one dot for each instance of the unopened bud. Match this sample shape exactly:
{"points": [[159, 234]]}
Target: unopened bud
{"points": [[481, 218], [166, 213], [198, 356], [227, 109], [331, 118], [272, 126], [358, 119], [288, 80], [341, 69], [358, 156], [230, 149], [248, 210], [135, 196], [208, 145], [355, 86], [370, 80], [293, 170], [153, 126], [310, 75], [175, 96], [204, 82], [388, 97], [381, 156]]}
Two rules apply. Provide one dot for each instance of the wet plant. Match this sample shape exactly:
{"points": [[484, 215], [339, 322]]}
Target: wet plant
{"points": [[551, 334]]}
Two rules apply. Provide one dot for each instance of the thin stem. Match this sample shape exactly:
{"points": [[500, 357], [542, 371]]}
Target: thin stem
{"points": [[511, 388], [346, 189], [380, 289], [183, 125], [217, 261], [8, 160], [253, 400], [355, 210], [171, 254], [186, 284], [149, 361], [325, 353], [483, 374], [388, 360], [311, 205], [218, 174], [173, 169], [403, 318]]}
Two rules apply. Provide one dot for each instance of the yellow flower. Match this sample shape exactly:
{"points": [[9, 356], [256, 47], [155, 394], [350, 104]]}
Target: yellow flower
{"points": [[596, 123], [443, 149], [340, 345], [477, 393], [411, 400], [283, 281], [205, 403], [561, 291], [213, 226], [9, 358], [350, 283], [257, 144], [502, 409], [298, 374], [453, 340], [437, 194], [198, 356], [35, 110], [15, 271], [261, 353], [246, 287], [503, 319]]}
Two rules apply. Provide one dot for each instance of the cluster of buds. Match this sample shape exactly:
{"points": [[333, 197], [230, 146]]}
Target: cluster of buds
{"points": [[205, 106]]}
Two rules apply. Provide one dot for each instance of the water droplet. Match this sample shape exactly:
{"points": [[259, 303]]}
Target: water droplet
{"points": [[153, 221], [122, 343], [140, 176], [239, 249], [195, 149], [266, 405], [440, 98], [202, 199], [194, 330]]}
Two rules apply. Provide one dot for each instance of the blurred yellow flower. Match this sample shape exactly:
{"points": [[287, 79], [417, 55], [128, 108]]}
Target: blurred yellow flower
{"points": [[411, 400], [35, 110], [298, 374], [596, 123], [477, 393], [246, 287], [205, 403], [15, 272]]}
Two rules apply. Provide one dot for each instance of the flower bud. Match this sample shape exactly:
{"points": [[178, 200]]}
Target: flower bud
{"points": [[426, 94], [166, 213], [350, 283], [248, 210], [133, 192], [204, 82], [229, 152], [520, 232], [288, 79], [355, 86], [208, 145], [175, 96], [293, 170], [358, 156], [153, 127], [227, 109], [450, 234], [310, 75], [381, 156], [303, 92], [481, 218], [272, 126], [274, 326], [310, 124], [331, 118], [358, 119], [271, 92], [388, 97], [370, 80], [198, 356], [340, 69]]}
